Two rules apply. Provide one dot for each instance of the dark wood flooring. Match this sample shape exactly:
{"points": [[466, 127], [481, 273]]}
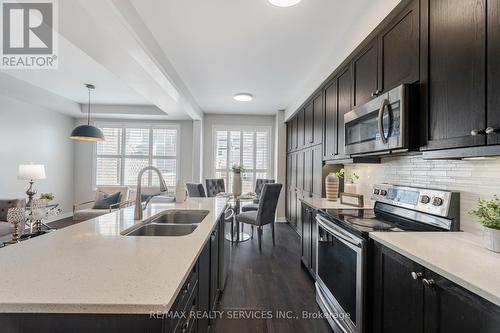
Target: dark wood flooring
{"points": [[273, 280]]}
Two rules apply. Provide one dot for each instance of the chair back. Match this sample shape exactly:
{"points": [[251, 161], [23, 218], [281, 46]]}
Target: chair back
{"points": [[6, 204], [268, 203], [214, 186], [124, 191], [259, 184], [195, 190]]}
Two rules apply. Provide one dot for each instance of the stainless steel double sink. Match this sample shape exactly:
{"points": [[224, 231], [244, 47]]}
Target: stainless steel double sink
{"points": [[174, 222]]}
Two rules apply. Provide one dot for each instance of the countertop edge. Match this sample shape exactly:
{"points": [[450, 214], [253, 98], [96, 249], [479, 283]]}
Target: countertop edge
{"points": [[495, 299]]}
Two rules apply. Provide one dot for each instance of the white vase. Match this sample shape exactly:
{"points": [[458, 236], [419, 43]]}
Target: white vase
{"points": [[236, 184], [180, 191], [332, 187], [492, 239], [350, 188]]}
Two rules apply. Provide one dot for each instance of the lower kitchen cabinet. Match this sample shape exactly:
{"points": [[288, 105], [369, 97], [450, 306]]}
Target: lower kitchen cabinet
{"points": [[408, 297], [309, 237]]}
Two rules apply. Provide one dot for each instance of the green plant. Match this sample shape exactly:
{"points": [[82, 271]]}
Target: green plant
{"points": [[347, 176], [237, 168], [49, 196], [488, 212]]}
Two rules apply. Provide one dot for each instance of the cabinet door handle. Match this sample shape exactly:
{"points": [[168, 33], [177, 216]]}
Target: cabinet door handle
{"points": [[475, 132], [490, 130], [376, 93], [428, 282], [417, 275]]}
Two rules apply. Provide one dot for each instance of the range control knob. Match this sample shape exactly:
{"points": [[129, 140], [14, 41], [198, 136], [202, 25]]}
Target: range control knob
{"points": [[376, 191], [437, 201], [383, 193], [425, 199]]}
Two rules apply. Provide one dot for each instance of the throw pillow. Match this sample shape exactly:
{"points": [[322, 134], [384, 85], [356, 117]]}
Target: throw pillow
{"points": [[104, 200]]}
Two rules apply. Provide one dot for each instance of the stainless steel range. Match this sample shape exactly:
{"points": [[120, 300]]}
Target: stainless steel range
{"points": [[343, 245]]}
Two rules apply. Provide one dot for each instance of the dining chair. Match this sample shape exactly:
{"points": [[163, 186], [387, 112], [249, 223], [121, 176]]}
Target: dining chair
{"points": [[259, 184], [195, 190], [266, 212], [214, 186]]}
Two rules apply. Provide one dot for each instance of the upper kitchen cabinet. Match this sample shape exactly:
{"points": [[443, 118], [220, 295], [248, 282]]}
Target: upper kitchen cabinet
{"points": [[308, 124], [344, 105], [493, 56], [399, 49], [317, 126], [330, 121], [456, 83], [365, 69], [300, 118]]}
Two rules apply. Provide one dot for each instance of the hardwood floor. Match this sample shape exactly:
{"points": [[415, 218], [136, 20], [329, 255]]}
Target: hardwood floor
{"points": [[269, 281]]}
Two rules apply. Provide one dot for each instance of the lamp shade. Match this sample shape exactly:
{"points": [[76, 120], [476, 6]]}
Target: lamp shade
{"points": [[31, 172], [87, 133]]}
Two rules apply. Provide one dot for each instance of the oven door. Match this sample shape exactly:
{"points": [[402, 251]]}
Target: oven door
{"points": [[340, 276], [378, 125]]}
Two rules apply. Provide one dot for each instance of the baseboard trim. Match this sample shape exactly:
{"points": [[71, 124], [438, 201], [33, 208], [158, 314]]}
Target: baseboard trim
{"points": [[280, 220]]}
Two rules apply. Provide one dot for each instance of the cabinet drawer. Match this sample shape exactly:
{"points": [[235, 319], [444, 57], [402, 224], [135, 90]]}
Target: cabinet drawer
{"points": [[188, 323]]}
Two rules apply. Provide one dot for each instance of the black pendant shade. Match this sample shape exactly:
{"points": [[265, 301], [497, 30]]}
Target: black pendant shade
{"points": [[87, 132]]}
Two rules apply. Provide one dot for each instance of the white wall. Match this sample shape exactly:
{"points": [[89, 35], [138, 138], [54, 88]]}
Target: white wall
{"points": [[84, 163], [29, 133], [473, 179], [232, 120]]}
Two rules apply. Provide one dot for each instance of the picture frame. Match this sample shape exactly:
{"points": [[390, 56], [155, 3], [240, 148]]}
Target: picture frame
{"points": [[351, 199]]}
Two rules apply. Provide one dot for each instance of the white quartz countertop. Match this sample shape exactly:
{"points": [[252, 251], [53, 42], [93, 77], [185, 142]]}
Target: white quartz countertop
{"points": [[454, 255], [323, 203], [91, 268]]}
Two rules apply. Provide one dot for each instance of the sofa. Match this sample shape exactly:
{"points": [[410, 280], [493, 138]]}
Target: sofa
{"points": [[6, 227], [80, 213]]}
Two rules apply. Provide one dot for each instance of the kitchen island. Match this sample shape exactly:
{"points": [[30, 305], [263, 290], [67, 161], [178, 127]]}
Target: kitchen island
{"points": [[90, 270]]}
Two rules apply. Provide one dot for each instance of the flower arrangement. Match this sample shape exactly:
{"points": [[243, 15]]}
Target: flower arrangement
{"points": [[47, 196], [348, 177], [488, 212]]}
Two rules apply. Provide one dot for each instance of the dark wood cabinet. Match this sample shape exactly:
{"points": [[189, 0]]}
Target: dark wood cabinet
{"points": [[456, 39], [214, 267], [317, 128], [330, 121], [295, 137], [308, 239], [308, 172], [316, 172], [397, 298], [365, 71], [300, 129], [493, 70], [309, 124], [344, 105], [408, 297], [300, 170], [204, 286], [399, 49]]}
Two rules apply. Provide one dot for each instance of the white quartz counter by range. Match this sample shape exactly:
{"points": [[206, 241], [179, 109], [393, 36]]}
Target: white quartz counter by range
{"points": [[91, 268], [453, 255], [323, 203]]}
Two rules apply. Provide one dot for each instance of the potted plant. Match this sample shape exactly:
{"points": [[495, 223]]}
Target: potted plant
{"points": [[349, 178], [237, 170], [488, 212]]}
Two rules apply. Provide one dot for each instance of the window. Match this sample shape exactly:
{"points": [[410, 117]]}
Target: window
{"points": [[129, 149], [246, 147]]}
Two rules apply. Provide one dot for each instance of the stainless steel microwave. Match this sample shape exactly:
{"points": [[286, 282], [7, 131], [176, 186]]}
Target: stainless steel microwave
{"points": [[381, 125]]}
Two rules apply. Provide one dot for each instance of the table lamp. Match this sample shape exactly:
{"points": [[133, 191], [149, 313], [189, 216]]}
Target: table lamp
{"points": [[31, 172]]}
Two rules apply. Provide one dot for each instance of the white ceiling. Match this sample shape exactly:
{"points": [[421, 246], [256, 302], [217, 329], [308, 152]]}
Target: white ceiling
{"points": [[222, 47]]}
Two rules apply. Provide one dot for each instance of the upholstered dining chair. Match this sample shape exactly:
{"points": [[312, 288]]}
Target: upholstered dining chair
{"points": [[259, 184], [195, 190], [214, 186], [266, 212]]}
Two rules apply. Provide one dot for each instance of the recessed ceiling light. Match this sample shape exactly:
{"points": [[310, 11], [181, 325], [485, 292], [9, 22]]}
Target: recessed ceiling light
{"points": [[243, 97], [284, 3]]}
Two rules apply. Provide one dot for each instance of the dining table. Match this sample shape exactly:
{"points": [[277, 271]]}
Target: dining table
{"points": [[237, 235]]}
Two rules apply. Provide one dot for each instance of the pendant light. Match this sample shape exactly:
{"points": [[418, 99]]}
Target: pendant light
{"points": [[87, 132]]}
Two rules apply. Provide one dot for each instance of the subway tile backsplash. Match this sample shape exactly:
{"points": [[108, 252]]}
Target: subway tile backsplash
{"points": [[473, 179]]}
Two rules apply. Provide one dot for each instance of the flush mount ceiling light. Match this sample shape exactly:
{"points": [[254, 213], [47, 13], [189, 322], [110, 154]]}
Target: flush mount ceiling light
{"points": [[87, 132], [284, 3], [243, 97]]}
